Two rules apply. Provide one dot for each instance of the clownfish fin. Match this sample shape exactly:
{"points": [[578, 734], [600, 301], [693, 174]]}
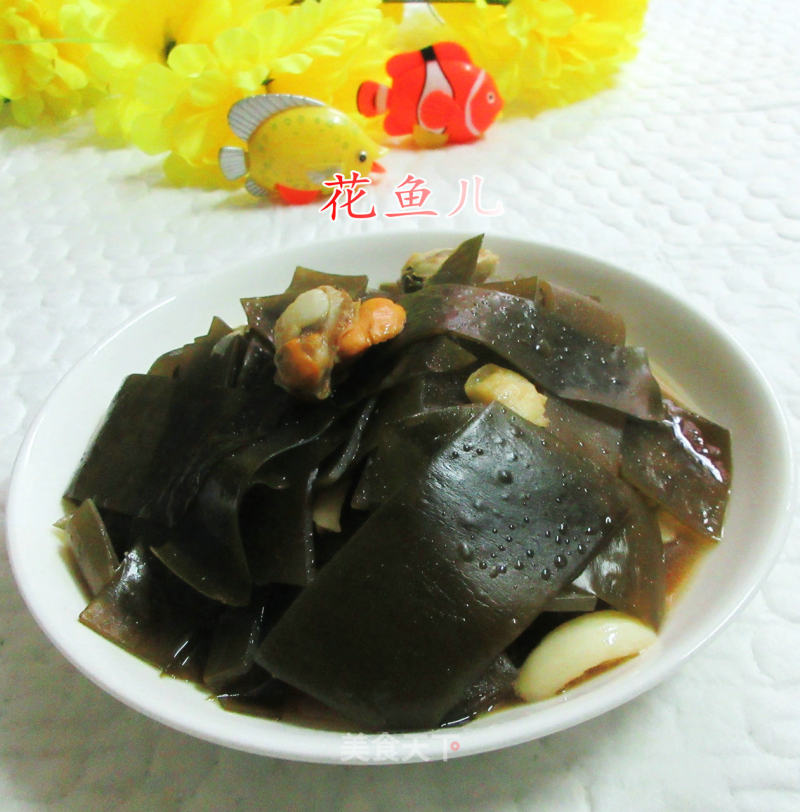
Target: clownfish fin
{"points": [[295, 196], [427, 139], [400, 63], [437, 110], [451, 51], [254, 188], [233, 162], [372, 98]]}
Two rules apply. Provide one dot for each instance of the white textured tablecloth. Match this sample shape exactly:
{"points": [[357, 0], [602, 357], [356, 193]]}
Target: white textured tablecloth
{"points": [[687, 172]]}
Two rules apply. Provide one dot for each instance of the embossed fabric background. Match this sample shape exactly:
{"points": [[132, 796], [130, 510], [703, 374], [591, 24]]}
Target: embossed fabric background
{"points": [[687, 172]]}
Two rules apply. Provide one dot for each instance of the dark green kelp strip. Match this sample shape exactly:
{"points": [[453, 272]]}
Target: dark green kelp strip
{"points": [[91, 545], [444, 575], [161, 438], [684, 463], [148, 611], [403, 448], [584, 313], [461, 266], [628, 574], [538, 344]]}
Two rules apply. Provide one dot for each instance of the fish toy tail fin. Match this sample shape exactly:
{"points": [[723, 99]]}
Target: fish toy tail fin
{"points": [[372, 98], [232, 162], [296, 196]]}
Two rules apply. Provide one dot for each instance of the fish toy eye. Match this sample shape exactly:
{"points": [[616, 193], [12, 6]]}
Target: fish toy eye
{"points": [[362, 156], [490, 97]]}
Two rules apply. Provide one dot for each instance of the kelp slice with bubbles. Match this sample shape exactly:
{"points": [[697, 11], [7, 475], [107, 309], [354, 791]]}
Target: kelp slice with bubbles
{"points": [[445, 574], [584, 313], [403, 448], [540, 345], [629, 573]]}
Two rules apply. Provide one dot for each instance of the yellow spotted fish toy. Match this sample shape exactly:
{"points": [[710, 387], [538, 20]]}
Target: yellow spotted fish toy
{"points": [[294, 144]]}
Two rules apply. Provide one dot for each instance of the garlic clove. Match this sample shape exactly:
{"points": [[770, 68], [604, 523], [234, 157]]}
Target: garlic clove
{"points": [[492, 382], [575, 647]]}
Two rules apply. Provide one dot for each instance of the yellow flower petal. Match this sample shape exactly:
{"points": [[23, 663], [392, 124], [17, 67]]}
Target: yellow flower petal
{"points": [[157, 86], [190, 59], [40, 73], [28, 110], [545, 53], [203, 176], [147, 133], [236, 46], [207, 89], [293, 63], [71, 75]]}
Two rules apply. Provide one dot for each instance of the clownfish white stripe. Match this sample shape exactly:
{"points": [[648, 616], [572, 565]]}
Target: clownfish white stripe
{"points": [[434, 80], [468, 107], [381, 98]]}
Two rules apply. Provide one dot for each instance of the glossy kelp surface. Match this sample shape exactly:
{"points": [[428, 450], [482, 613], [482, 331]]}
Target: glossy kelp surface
{"points": [[538, 344], [91, 545], [387, 615], [684, 463]]}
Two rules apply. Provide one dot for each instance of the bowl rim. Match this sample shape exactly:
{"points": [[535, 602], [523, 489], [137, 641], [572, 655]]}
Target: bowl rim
{"points": [[278, 739]]}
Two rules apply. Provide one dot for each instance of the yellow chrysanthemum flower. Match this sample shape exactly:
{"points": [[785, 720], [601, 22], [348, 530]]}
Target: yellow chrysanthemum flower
{"points": [[542, 53], [164, 73], [321, 49], [130, 34], [41, 72]]}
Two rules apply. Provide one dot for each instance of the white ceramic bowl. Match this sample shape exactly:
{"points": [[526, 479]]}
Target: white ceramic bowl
{"points": [[721, 379]]}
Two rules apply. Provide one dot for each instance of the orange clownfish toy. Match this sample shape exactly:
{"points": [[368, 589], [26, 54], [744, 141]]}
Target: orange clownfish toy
{"points": [[437, 94]]}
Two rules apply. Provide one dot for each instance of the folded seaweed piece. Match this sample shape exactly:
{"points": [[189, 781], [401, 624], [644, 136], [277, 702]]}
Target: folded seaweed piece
{"points": [[467, 264], [205, 548], [91, 545], [403, 448], [235, 638], [148, 611], [344, 458], [491, 688], [257, 370], [461, 266], [628, 573], [587, 428], [276, 524], [239, 530], [161, 437], [538, 344], [437, 354], [684, 463], [190, 360], [585, 314], [381, 369], [445, 574]]}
